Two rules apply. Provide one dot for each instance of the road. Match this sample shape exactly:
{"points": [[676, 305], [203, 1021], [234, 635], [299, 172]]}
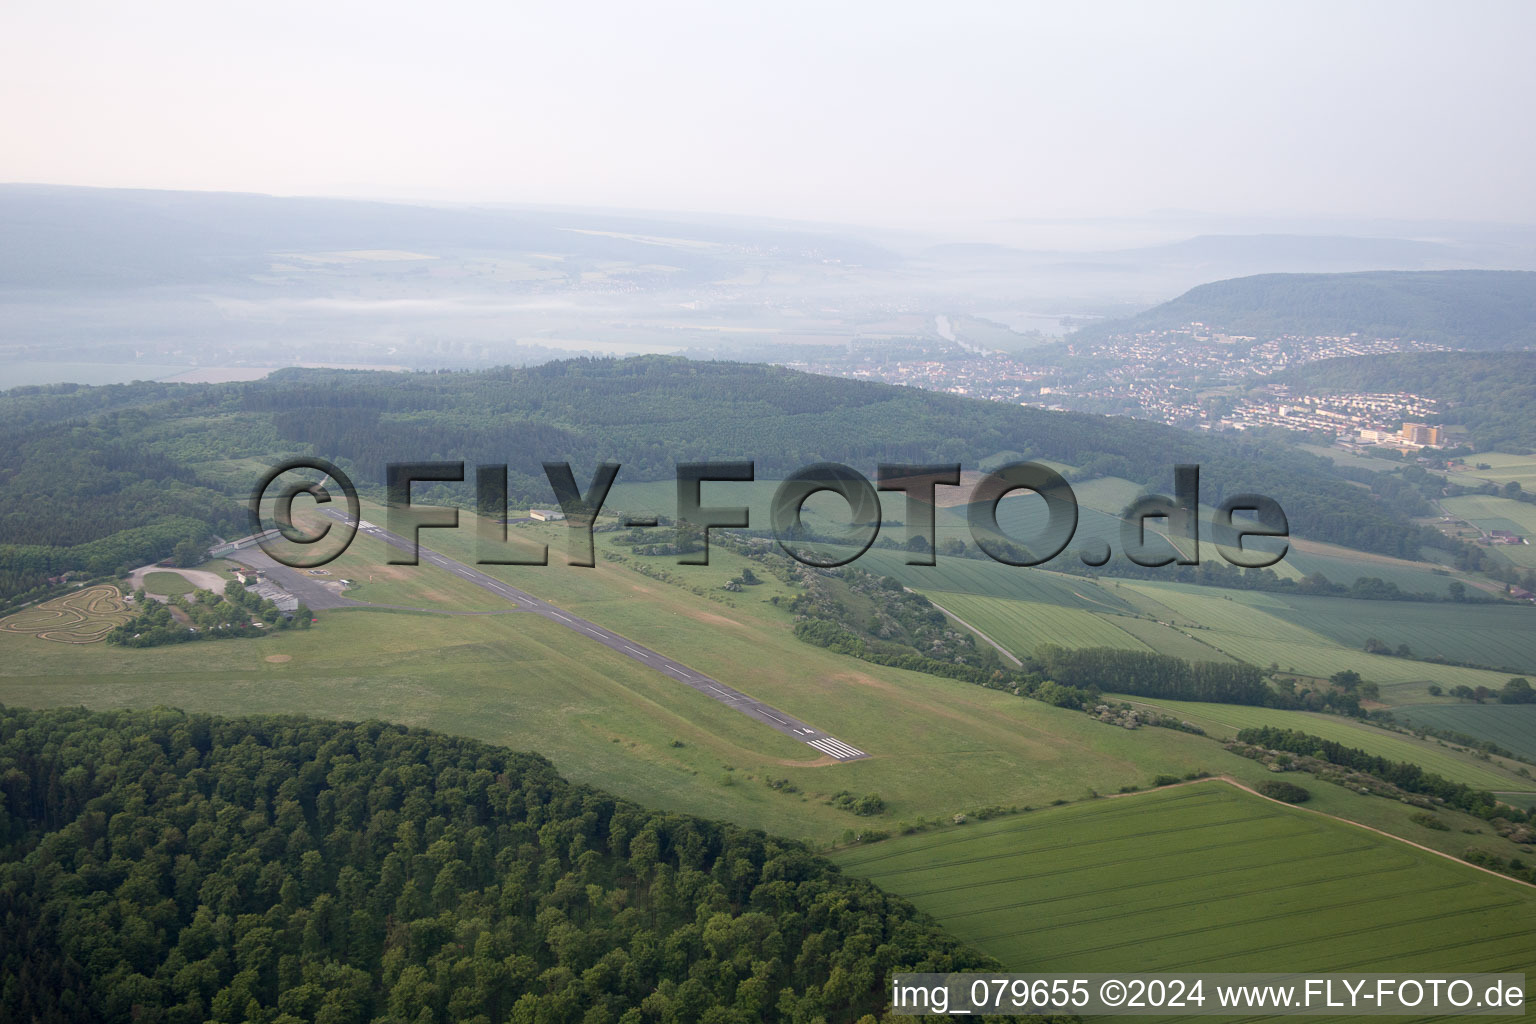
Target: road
{"points": [[713, 688]]}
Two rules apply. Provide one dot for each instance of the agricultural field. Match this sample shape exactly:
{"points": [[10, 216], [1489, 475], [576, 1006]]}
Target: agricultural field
{"points": [[1502, 468], [1252, 626], [1501, 635], [81, 617], [1511, 726], [1225, 720], [1020, 626], [987, 578], [1340, 457], [1489, 513], [1167, 640], [1203, 877], [1344, 565]]}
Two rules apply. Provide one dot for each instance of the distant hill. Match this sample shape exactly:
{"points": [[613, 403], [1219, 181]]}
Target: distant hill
{"points": [[1480, 309], [1491, 393], [62, 237]]}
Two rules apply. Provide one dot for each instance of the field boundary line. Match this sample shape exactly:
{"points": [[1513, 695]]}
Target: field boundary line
{"points": [[1324, 814]]}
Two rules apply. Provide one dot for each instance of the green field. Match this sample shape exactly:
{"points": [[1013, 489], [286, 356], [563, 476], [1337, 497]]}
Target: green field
{"points": [[167, 584], [1341, 565], [1340, 457], [604, 719], [1480, 634], [1489, 513], [1255, 627], [1224, 721], [1169, 640], [1502, 468], [1203, 877], [1511, 726], [1022, 625]]}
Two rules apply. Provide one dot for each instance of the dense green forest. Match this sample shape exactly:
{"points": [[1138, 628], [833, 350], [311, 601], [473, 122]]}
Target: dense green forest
{"points": [[1482, 309], [85, 468], [1490, 393], [163, 867]]}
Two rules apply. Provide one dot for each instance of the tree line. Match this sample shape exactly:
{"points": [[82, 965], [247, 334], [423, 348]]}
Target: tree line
{"points": [[1148, 674], [1404, 775]]}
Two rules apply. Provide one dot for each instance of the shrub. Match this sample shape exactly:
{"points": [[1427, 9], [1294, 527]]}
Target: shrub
{"points": [[1429, 821], [1289, 792]]}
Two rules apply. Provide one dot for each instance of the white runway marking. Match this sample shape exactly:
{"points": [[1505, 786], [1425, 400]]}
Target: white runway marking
{"points": [[837, 748]]}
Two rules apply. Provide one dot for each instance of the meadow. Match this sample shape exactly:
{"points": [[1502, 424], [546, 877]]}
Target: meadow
{"points": [[1203, 877], [1225, 720]]}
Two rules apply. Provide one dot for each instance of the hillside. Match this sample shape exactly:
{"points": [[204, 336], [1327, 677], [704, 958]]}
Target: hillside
{"points": [[1479, 309], [647, 413], [1490, 393], [162, 866]]}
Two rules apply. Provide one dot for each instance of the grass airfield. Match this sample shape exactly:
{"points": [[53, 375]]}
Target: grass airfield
{"points": [[940, 748]]}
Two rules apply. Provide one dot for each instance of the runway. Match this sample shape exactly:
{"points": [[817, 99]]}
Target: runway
{"points": [[713, 688]]}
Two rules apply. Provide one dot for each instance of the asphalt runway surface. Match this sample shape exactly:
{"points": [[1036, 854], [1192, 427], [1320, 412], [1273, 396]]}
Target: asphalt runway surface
{"points": [[310, 590]]}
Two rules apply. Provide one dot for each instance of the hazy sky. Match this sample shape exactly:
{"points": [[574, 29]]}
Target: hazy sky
{"points": [[872, 112]]}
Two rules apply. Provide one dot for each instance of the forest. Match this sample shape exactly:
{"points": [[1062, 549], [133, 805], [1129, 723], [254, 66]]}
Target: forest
{"points": [[157, 866]]}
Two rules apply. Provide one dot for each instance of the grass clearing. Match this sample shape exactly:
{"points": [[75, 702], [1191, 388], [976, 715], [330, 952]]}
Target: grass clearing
{"points": [[1203, 877], [167, 584]]}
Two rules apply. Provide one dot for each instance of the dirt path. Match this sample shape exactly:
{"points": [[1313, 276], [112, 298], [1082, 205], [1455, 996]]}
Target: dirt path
{"points": [[1229, 780], [1003, 650]]}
